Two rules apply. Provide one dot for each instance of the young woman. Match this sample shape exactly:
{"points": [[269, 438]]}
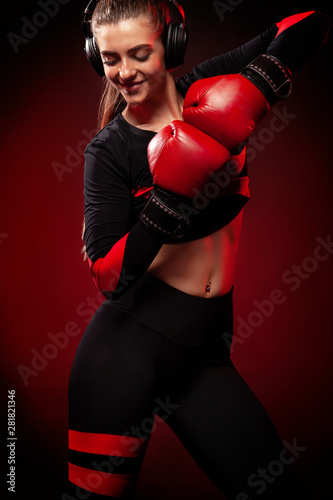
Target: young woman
{"points": [[156, 344]]}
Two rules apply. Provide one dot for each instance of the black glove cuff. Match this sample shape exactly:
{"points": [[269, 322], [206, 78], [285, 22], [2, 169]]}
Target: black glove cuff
{"points": [[271, 76], [167, 215]]}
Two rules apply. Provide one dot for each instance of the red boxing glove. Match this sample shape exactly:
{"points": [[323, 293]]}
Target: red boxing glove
{"points": [[228, 108], [181, 158]]}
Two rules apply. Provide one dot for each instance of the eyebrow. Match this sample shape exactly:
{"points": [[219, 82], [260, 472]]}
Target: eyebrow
{"points": [[137, 47]]}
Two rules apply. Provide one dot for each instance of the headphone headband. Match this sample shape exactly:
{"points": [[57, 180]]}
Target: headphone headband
{"points": [[176, 39], [89, 10]]}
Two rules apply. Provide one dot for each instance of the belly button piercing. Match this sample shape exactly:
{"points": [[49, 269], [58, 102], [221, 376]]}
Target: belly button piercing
{"points": [[208, 286]]}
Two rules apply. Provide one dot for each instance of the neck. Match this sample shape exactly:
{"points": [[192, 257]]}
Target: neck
{"points": [[158, 111]]}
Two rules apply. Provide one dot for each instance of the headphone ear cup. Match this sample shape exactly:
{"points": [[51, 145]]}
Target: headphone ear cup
{"points": [[93, 55], [176, 42], [168, 46], [181, 44]]}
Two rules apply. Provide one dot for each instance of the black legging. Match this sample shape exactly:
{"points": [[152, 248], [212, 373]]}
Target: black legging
{"points": [[159, 350]]}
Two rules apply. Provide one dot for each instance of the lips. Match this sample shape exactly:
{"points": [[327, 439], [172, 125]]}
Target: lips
{"points": [[132, 87]]}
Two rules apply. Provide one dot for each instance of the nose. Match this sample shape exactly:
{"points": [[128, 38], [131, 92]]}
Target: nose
{"points": [[127, 70]]}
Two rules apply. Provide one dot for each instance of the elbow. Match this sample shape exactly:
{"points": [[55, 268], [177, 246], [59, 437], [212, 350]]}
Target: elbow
{"points": [[327, 23], [320, 32], [321, 25], [105, 277], [94, 269]]}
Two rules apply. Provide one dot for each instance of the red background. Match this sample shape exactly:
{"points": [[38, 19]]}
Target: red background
{"points": [[50, 99]]}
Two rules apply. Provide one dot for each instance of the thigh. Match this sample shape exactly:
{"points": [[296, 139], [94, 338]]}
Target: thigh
{"points": [[230, 435], [113, 389], [115, 369]]}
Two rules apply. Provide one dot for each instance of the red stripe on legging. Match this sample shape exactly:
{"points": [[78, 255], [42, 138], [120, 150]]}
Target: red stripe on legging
{"points": [[107, 444], [291, 20], [112, 485]]}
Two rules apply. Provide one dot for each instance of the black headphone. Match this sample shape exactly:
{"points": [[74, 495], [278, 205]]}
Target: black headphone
{"points": [[176, 39]]}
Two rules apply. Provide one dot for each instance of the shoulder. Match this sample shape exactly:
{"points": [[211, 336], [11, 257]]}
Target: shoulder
{"points": [[109, 140], [106, 155]]}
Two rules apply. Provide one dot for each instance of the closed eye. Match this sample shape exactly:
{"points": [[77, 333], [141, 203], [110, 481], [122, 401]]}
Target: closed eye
{"points": [[140, 53], [142, 58], [110, 63]]}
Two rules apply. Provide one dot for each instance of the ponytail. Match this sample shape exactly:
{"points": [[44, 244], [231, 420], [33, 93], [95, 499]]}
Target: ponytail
{"points": [[111, 99]]}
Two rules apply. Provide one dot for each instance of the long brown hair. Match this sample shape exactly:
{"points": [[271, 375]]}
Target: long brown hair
{"points": [[111, 12]]}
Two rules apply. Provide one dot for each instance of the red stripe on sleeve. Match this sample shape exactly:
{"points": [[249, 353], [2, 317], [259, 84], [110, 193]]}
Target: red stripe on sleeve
{"points": [[107, 444], [142, 191], [106, 271], [112, 485], [291, 20]]}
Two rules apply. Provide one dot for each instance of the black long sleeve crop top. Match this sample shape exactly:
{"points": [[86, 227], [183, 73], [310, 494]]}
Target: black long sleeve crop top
{"points": [[117, 179]]}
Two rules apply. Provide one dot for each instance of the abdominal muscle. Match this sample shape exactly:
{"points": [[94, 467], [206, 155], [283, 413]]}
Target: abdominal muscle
{"points": [[203, 267]]}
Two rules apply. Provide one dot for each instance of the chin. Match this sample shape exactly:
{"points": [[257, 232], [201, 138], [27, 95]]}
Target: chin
{"points": [[135, 100]]}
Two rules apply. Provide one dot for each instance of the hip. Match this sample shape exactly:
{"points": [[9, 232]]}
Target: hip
{"points": [[178, 316]]}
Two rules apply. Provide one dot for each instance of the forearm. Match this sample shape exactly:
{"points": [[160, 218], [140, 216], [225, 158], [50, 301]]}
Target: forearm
{"points": [[298, 39]]}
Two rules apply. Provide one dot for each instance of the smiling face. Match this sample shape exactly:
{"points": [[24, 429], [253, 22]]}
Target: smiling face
{"points": [[133, 58]]}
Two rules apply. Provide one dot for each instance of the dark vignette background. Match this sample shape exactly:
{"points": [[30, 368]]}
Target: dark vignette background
{"points": [[50, 99]]}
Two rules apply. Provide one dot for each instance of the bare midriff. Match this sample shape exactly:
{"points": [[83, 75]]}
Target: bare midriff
{"points": [[203, 267]]}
